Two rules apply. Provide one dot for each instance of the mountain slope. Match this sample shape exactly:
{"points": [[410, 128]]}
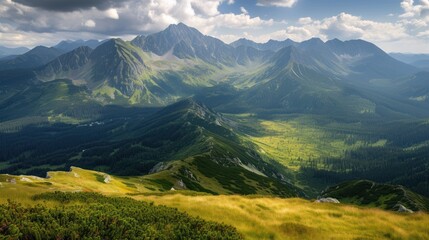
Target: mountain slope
{"points": [[367, 61], [246, 55], [117, 63], [36, 57], [186, 43], [5, 51], [68, 46], [65, 66], [334, 78], [185, 146], [295, 81], [385, 196], [417, 60], [271, 45], [254, 217], [121, 73], [53, 99], [416, 87]]}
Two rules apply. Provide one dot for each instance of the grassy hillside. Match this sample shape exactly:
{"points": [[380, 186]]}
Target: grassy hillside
{"points": [[386, 196], [187, 146], [93, 216], [57, 100], [254, 217], [276, 218]]}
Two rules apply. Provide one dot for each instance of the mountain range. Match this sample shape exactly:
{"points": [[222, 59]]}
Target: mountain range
{"points": [[185, 109], [8, 52], [160, 68], [417, 60]]}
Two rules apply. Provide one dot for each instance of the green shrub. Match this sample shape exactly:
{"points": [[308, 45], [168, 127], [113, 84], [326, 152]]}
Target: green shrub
{"points": [[93, 216]]}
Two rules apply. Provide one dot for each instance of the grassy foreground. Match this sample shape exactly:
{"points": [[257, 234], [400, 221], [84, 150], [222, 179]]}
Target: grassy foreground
{"points": [[94, 216], [255, 217], [276, 218]]}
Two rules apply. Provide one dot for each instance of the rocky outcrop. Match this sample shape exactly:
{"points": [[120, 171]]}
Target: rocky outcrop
{"points": [[402, 209], [327, 200]]}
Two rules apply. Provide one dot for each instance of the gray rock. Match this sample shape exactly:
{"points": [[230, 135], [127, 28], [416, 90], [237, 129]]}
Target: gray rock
{"points": [[11, 180], [107, 178], [402, 209], [327, 200], [161, 166], [181, 184]]}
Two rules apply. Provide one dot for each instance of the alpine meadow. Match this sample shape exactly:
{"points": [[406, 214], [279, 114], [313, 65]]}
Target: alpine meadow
{"points": [[217, 119]]}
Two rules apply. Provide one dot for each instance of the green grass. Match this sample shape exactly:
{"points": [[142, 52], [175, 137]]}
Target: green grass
{"points": [[276, 218], [254, 216], [294, 140]]}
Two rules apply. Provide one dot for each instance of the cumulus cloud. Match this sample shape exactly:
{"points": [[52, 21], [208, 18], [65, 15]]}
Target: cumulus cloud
{"points": [[70, 5], [112, 13], [424, 34], [416, 16], [277, 3], [206, 8], [305, 20], [11, 37], [418, 10], [89, 23], [31, 22], [344, 26], [119, 18], [347, 26]]}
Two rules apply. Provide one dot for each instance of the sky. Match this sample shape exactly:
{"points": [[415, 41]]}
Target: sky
{"points": [[394, 25]]}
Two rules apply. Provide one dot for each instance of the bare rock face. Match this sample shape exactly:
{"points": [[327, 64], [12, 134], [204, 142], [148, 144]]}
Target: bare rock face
{"points": [[181, 184], [161, 166], [327, 200]]}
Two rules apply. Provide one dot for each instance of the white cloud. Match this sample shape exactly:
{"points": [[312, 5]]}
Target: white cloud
{"points": [[17, 38], [390, 36], [90, 23], [132, 17], [344, 26], [305, 20], [277, 3], [206, 8], [416, 17], [23, 25], [424, 34], [412, 10], [347, 26], [112, 13]]}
